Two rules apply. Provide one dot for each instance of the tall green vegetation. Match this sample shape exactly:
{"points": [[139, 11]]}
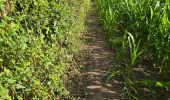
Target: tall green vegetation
{"points": [[138, 29], [37, 40]]}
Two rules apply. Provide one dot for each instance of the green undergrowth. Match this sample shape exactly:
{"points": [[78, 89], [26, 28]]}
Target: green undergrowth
{"points": [[37, 41], [139, 32]]}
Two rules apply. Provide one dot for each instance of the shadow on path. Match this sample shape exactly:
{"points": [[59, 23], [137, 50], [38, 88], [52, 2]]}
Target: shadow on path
{"points": [[99, 59]]}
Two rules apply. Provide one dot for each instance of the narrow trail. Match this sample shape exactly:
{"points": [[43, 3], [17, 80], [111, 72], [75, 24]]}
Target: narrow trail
{"points": [[99, 59]]}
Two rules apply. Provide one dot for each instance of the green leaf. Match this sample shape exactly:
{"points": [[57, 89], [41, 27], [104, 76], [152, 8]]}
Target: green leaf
{"points": [[1, 60], [151, 12], [11, 81], [19, 86], [159, 84], [155, 83], [27, 90]]}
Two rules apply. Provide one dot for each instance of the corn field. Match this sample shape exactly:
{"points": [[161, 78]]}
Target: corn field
{"points": [[139, 31]]}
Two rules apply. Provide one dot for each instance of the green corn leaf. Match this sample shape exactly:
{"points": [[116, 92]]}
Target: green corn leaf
{"points": [[151, 13]]}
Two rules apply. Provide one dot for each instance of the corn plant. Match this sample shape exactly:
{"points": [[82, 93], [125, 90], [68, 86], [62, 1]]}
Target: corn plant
{"points": [[142, 26]]}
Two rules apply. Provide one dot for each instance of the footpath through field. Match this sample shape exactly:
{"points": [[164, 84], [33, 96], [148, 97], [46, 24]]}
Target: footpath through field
{"points": [[99, 59]]}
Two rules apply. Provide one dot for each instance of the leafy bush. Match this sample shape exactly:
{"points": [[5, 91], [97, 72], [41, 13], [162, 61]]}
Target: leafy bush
{"points": [[36, 40]]}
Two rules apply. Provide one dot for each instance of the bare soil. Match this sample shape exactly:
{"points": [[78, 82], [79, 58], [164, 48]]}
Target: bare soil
{"points": [[97, 59]]}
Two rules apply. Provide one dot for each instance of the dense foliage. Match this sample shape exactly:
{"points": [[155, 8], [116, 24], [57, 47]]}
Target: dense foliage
{"points": [[138, 29], [36, 45]]}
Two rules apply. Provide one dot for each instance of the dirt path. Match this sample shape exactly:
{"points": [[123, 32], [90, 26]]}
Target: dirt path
{"points": [[99, 59]]}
